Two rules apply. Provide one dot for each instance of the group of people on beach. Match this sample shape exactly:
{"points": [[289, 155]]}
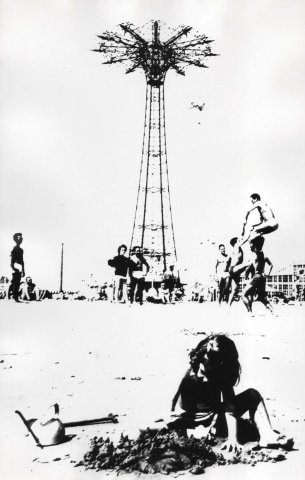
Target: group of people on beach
{"points": [[129, 281], [136, 267], [206, 391], [229, 268]]}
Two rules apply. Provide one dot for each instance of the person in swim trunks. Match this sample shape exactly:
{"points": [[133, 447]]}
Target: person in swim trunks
{"points": [[237, 258], [267, 222], [222, 273], [255, 266]]}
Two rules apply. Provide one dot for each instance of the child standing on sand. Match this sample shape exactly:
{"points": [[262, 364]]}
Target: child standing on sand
{"points": [[207, 396]]}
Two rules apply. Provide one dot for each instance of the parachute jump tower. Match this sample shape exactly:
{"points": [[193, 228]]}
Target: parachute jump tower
{"points": [[153, 225]]}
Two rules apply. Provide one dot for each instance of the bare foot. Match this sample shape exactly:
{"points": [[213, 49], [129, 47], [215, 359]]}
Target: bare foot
{"points": [[279, 441]]}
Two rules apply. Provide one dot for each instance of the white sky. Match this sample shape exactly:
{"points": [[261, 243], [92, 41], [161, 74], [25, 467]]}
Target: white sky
{"points": [[71, 132]]}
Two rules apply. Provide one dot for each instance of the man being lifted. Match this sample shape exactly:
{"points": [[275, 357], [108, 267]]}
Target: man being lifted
{"points": [[267, 222]]}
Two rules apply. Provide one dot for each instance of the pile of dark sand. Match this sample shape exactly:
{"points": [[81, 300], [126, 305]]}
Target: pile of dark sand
{"points": [[166, 452]]}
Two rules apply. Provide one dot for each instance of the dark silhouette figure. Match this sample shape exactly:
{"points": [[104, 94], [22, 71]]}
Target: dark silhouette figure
{"points": [[17, 265], [138, 270]]}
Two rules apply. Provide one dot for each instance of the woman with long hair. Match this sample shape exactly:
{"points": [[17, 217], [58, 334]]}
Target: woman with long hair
{"points": [[207, 397]]}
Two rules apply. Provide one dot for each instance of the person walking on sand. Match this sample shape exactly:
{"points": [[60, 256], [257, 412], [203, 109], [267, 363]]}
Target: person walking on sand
{"points": [[121, 264], [236, 258], [207, 398], [255, 267], [222, 273], [267, 222], [17, 265]]}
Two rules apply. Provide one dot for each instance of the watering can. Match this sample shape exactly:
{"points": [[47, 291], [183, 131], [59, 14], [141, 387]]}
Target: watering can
{"points": [[49, 430]]}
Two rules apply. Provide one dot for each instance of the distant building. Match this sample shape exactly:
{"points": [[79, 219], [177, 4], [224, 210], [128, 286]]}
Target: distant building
{"points": [[290, 280]]}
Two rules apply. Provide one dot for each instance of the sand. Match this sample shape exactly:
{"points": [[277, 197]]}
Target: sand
{"points": [[96, 358]]}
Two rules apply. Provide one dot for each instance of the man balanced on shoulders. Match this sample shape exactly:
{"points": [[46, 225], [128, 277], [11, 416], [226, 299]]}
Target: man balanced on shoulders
{"points": [[267, 221]]}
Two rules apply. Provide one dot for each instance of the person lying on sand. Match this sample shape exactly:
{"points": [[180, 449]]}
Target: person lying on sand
{"points": [[207, 397]]}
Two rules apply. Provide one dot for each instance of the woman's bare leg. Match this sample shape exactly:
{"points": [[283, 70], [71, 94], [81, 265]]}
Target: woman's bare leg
{"points": [[251, 401]]}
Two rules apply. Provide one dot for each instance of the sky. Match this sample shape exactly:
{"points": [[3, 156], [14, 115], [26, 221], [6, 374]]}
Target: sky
{"points": [[71, 132]]}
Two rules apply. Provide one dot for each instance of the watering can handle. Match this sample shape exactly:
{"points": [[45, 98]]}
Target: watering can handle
{"points": [[29, 428]]}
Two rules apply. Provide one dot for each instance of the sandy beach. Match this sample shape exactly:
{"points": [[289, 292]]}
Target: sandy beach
{"points": [[96, 358]]}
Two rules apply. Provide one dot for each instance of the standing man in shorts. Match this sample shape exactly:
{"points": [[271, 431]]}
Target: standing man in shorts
{"points": [[256, 267], [17, 265], [222, 273], [138, 270], [237, 258]]}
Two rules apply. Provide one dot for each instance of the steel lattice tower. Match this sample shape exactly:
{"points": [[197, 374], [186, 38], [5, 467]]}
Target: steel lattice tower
{"points": [[153, 225]]}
